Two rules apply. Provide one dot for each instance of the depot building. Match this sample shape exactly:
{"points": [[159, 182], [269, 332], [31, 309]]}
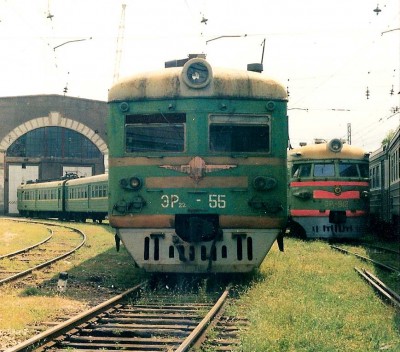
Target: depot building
{"points": [[43, 137]]}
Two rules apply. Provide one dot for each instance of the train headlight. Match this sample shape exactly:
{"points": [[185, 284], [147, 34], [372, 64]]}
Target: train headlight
{"points": [[134, 183], [197, 73], [263, 183], [256, 203], [303, 194], [269, 206], [335, 145], [365, 194], [121, 207], [137, 203]]}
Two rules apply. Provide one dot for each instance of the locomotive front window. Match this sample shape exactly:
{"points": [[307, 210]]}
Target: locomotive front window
{"points": [[239, 134], [364, 170], [348, 170], [301, 170], [155, 133], [324, 170]]}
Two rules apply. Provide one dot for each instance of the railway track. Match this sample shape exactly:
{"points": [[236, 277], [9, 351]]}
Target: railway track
{"points": [[149, 323], [383, 289], [364, 258], [380, 287], [59, 245]]}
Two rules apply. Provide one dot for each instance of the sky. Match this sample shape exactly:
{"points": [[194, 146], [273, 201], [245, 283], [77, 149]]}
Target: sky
{"points": [[327, 53]]}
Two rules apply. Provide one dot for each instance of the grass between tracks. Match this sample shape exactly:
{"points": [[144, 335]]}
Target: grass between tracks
{"points": [[18, 235], [308, 298], [96, 272]]}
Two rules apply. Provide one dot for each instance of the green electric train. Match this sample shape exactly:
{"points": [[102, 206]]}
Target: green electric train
{"points": [[197, 167], [70, 198]]}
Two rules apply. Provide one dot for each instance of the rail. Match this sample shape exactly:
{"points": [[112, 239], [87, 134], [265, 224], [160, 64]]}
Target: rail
{"points": [[381, 265], [60, 329], [48, 262], [381, 287], [151, 322]]}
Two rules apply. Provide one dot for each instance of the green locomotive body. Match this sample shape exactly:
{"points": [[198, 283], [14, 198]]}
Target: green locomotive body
{"points": [[197, 167]]}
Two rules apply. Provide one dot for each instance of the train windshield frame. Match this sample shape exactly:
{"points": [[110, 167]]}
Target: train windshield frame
{"points": [[364, 170], [341, 169], [155, 133], [324, 170], [301, 170], [239, 133], [348, 170]]}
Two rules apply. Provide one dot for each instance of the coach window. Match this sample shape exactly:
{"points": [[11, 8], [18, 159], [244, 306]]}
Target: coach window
{"points": [[324, 170], [155, 133], [239, 133]]}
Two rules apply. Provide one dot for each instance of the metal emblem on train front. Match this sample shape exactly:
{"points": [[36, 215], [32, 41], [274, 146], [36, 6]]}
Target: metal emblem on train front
{"points": [[337, 190], [197, 168]]}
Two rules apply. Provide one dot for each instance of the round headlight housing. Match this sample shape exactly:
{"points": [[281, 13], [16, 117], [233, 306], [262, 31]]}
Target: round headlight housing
{"points": [[133, 183], [197, 73], [335, 145], [264, 183]]}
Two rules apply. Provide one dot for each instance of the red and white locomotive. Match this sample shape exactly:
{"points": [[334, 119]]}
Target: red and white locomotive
{"points": [[328, 190]]}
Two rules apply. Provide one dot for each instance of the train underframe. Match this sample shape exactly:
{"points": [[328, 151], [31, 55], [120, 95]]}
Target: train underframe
{"points": [[232, 251], [324, 227], [65, 216]]}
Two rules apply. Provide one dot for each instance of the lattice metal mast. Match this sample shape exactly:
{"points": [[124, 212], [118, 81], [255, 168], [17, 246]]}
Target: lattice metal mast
{"points": [[120, 41]]}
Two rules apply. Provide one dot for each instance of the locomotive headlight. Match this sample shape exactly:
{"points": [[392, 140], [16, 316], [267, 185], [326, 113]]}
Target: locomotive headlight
{"points": [[137, 203], [335, 145], [134, 183], [365, 194], [263, 183], [197, 73]]}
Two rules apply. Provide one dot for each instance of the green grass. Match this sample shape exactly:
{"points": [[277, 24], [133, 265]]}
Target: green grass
{"points": [[96, 266], [311, 299], [18, 235]]}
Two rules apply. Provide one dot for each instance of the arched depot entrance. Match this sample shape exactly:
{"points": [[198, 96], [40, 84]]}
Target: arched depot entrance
{"points": [[47, 148]]}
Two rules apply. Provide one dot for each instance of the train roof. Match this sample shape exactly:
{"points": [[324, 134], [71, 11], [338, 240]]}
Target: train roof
{"points": [[85, 180], [58, 183], [382, 150], [41, 185], [173, 82], [395, 139], [323, 151]]}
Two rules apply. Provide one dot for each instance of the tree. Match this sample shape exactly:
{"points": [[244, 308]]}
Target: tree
{"points": [[388, 138]]}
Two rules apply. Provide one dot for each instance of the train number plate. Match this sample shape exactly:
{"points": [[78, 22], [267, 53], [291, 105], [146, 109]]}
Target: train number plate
{"points": [[337, 204], [215, 201]]}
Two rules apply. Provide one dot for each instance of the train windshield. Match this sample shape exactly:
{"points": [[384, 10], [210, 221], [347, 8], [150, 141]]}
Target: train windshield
{"points": [[347, 169], [239, 133], [324, 170], [301, 170], [364, 170], [155, 133]]}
